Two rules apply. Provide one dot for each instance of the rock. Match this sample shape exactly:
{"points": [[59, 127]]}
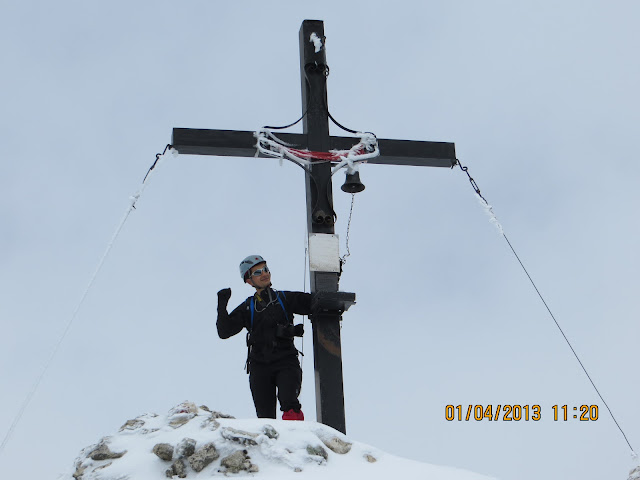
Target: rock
{"points": [[184, 407], [178, 468], [182, 413], [79, 471], [237, 462], [634, 474], [270, 432], [186, 447], [370, 458], [132, 424], [102, 452], [180, 421], [211, 423], [136, 424], [101, 467], [164, 451], [337, 445], [239, 436], [203, 457], [215, 414], [317, 451]]}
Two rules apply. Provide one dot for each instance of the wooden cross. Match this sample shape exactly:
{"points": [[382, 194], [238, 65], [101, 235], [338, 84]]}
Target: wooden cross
{"points": [[315, 137]]}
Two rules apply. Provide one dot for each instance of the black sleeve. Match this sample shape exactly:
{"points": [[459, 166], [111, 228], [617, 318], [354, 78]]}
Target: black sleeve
{"points": [[299, 302], [229, 324]]}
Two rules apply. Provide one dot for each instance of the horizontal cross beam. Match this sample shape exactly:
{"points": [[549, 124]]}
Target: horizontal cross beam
{"points": [[235, 143]]}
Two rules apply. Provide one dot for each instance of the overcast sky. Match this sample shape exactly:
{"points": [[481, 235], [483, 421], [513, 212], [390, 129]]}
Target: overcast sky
{"points": [[541, 100]]}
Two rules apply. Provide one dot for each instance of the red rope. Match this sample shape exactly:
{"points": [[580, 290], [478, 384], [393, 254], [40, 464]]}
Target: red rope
{"points": [[309, 155]]}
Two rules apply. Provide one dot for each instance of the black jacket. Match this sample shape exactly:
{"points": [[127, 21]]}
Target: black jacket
{"points": [[265, 340]]}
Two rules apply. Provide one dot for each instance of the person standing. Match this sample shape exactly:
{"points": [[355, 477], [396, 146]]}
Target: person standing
{"points": [[272, 358]]}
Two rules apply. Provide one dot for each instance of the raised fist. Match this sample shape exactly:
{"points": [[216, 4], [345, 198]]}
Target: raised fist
{"points": [[223, 297]]}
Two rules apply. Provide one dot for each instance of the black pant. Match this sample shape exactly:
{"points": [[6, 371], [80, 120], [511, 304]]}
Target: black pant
{"points": [[285, 375]]}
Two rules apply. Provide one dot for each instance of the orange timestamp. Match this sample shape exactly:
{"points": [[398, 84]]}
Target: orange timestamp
{"points": [[506, 413], [516, 413]]}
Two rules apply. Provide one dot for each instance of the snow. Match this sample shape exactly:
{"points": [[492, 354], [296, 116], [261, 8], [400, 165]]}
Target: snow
{"points": [[488, 209], [317, 41], [285, 456]]}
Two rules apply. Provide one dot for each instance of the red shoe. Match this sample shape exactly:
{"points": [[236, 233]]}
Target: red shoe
{"points": [[293, 415]]}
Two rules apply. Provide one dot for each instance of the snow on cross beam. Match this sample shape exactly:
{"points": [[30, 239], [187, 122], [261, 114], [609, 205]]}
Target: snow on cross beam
{"points": [[237, 143]]}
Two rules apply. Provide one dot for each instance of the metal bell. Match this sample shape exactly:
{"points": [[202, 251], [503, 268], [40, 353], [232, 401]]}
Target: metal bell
{"points": [[352, 183]]}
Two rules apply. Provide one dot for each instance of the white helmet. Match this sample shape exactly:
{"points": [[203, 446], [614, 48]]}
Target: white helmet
{"points": [[247, 263]]}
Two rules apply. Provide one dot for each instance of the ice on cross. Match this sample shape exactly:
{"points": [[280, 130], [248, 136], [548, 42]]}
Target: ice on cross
{"points": [[317, 41]]}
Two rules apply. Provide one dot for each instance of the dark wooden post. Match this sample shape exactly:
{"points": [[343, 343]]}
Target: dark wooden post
{"points": [[327, 350], [326, 320]]}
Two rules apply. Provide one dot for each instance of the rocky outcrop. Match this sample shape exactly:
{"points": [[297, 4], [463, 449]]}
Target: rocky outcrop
{"points": [[102, 452], [164, 451], [237, 462], [186, 448], [181, 414], [337, 445], [211, 441], [238, 436], [318, 451], [178, 468], [95, 456], [203, 457], [270, 432]]}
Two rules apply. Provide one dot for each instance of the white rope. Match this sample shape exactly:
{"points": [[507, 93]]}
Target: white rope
{"points": [[270, 146], [352, 158]]}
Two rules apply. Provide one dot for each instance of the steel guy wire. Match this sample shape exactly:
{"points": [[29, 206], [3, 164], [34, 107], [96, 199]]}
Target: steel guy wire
{"points": [[133, 199], [490, 209]]}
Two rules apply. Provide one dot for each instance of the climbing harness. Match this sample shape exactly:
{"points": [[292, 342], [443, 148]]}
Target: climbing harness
{"points": [[252, 306], [252, 309]]}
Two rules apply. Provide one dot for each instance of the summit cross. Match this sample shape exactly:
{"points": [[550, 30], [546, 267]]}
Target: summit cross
{"points": [[325, 321]]}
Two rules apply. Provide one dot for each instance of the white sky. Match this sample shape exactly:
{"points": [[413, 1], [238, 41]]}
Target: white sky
{"points": [[541, 101]]}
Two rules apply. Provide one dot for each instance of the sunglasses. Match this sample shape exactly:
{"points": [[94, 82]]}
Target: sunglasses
{"points": [[258, 272]]}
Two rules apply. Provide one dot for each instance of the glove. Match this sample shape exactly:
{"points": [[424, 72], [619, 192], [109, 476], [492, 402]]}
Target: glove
{"points": [[223, 297], [298, 330]]}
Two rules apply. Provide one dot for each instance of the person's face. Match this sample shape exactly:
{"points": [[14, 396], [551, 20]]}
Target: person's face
{"points": [[259, 276]]}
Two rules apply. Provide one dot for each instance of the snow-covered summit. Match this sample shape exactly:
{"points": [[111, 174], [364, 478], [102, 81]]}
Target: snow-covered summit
{"points": [[196, 442]]}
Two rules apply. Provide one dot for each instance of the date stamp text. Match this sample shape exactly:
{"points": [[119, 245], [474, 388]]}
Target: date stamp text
{"points": [[517, 413]]}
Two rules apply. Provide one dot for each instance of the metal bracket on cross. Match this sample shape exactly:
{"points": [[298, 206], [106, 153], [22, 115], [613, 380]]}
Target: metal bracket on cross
{"points": [[332, 302]]}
